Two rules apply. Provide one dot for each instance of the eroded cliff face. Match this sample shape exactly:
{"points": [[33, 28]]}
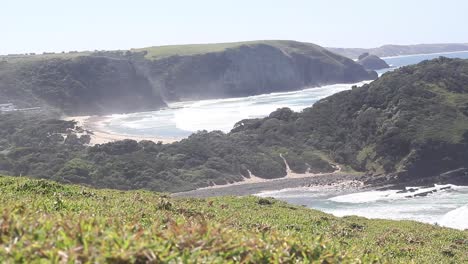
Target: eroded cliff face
{"points": [[248, 70]]}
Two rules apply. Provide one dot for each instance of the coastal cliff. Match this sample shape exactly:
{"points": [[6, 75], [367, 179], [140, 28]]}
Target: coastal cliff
{"points": [[250, 68]]}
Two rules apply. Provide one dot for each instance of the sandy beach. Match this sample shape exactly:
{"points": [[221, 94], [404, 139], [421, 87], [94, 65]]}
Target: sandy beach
{"points": [[99, 136]]}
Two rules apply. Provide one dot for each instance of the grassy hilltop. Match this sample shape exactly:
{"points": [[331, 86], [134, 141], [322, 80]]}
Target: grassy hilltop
{"points": [[159, 52], [43, 221]]}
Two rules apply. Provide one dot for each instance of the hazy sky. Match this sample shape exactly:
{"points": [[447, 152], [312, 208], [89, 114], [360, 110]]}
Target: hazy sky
{"points": [[57, 25]]}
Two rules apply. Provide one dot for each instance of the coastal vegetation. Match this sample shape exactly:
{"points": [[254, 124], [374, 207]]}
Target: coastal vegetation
{"points": [[410, 124], [54, 149], [77, 84], [43, 221]]}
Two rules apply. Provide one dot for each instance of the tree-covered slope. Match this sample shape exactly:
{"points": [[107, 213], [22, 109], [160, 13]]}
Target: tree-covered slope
{"points": [[413, 122], [42, 147], [46, 222], [77, 85]]}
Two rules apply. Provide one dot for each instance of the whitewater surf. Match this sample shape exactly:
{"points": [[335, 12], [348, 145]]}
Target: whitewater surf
{"points": [[445, 205]]}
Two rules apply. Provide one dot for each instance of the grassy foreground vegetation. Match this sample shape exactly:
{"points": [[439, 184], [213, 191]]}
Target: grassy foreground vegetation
{"points": [[43, 221]]}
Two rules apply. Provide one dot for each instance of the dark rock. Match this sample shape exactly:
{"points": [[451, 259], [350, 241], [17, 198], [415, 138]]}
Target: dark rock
{"points": [[372, 62]]}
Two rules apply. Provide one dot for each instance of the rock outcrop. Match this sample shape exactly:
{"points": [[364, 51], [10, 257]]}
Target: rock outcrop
{"points": [[372, 62]]}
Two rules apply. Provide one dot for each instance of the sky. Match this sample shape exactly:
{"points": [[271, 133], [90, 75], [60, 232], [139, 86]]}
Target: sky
{"points": [[65, 25]]}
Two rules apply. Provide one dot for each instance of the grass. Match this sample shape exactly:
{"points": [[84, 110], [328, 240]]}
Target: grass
{"points": [[43, 221], [158, 52], [42, 57]]}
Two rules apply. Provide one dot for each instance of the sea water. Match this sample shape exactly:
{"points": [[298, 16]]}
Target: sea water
{"points": [[445, 205], [399, 61]]}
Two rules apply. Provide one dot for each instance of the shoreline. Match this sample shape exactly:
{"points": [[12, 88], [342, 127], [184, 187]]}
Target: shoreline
{"points": [[91, 124]]}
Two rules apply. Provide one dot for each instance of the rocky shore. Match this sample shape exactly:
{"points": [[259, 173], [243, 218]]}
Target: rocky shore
{"points": [[334, 179]]}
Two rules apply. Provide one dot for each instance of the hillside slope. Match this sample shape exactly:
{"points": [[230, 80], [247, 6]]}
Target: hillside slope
{"points": [[44, 221], [77, 85], [113, 82], [412, 122], [399, 50]]}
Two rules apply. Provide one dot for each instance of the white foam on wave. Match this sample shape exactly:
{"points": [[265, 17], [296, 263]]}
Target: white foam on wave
{"points": [[362, 197], [442, 204], [222, 114], [216, 114], [373, 196], [297, 192], [457, 218]]}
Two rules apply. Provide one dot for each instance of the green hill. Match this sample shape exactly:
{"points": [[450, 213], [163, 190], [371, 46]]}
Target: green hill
{"points": [[411, 123], [76, 84], [46, 222], [105, 82], [158, 52]]}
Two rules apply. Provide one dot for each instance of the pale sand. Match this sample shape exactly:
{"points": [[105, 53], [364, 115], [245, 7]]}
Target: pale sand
{"points": [[99, 136], [293, 175]]}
